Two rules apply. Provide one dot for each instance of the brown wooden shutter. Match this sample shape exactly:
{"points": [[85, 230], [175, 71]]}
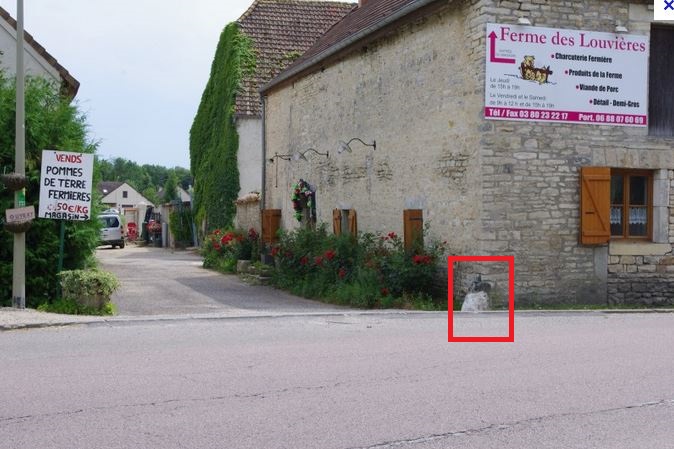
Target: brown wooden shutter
{"points": [[595, 205], [353, 222], [413, 226], [271, 221], [337, 221]]}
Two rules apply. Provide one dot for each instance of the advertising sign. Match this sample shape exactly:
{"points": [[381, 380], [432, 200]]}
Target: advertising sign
{"points": [[557, 75], [65, 185]]}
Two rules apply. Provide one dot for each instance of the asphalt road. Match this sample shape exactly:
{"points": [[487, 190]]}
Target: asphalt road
{"points": [[157, 281], [588, 380]]}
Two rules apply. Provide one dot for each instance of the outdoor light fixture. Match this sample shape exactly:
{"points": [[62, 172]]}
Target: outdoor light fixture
{"points": [[621, 29], [523, 21], [345, 146], [285, 157], [301, 155]]}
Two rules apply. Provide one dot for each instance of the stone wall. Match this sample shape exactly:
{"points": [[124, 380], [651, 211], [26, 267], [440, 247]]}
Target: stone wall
{"points": [[405, 93]]}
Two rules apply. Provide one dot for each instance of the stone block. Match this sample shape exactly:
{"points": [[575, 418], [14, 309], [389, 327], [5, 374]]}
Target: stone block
{"points": [[627, 260]]}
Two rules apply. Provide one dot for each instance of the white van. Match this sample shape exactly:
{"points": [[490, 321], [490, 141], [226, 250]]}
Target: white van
{"points": [[112, 230]]}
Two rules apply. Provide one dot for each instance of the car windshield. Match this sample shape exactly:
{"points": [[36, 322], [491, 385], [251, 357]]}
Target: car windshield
{"points": [[109, 222]]}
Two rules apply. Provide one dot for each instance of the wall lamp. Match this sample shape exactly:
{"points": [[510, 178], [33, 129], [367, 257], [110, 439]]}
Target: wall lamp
{"points": [[285, 157], [620, 29], [301, 155], [345, 146]]}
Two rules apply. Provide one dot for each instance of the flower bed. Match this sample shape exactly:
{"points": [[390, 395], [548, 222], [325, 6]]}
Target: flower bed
{"points": [[223, 248], [368, 271]]}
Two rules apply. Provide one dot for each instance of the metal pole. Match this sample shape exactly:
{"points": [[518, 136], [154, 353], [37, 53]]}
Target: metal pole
{"points": [[19, 266]]}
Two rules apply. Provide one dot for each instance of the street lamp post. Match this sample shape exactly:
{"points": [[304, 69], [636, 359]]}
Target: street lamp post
{"points": [[19, 265]]}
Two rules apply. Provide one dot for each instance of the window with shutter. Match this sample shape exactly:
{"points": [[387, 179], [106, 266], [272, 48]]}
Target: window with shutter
{"points": [[413, 227], [595, 190]]}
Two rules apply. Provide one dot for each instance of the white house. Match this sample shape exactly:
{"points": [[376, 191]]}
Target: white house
{"points": [[123, 197], [38, 62]]}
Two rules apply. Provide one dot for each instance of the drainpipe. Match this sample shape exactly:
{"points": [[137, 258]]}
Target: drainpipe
{"points": [[264, 156]]}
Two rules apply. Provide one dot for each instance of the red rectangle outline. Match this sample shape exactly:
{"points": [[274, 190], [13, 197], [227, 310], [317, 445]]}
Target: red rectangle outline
{"points": [[511, 298]]}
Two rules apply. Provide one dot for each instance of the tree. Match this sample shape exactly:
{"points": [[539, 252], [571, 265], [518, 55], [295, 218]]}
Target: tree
{"points": [[171, 188], [51, 122]]}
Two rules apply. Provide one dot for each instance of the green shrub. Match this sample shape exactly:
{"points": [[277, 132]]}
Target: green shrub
{"points": [[222, 248], [180, 222], [90, 289], [71, 307]]}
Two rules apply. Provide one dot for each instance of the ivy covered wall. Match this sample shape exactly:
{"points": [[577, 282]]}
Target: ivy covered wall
{"points": [[214, 141]]}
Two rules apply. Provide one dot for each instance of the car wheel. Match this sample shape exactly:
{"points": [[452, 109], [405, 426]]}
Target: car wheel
{"points": [[122, 245]]}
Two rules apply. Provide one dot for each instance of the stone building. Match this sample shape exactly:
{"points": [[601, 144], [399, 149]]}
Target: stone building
{"points": [[491, 173]]}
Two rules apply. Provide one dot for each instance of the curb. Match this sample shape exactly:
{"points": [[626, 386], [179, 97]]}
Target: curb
{"points": [[144, 319]]}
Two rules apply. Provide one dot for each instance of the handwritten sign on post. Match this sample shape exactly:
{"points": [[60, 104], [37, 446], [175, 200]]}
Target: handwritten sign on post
{"points": [[65, 185]]}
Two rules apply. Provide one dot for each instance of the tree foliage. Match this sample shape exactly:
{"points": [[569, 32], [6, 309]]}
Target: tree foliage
{"points": [[51, 122], [143, 178], [214, 141]]}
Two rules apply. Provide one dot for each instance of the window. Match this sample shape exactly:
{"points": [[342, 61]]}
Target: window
{"points": [[631, 203], [125, 194], [661, 82]]}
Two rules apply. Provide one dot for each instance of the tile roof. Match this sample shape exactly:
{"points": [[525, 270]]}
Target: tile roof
{"points": [[69, 84], [107, 187], [360, 23], [281, 30]]}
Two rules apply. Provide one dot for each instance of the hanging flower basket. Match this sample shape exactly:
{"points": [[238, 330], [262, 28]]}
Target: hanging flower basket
{"points": [[14, 181], [303, 196], [18, 226]]}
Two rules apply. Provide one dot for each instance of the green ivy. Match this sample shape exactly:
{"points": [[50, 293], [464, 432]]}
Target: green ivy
{"points": [[214, 141]]}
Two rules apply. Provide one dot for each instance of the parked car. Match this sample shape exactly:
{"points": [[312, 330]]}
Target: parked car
{"points": [[112, 230]]}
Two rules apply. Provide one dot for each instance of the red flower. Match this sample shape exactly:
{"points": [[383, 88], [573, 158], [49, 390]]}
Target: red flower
{"points": [[421, 260], [217, 232], [329, 254], [392, 235], [288, 254], [318, 260], [216, 246], [341, 273], [252, 234], [304, 260], [384, 291], [274, 251]]}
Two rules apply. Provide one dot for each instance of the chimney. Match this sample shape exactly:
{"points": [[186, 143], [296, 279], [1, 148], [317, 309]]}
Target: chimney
{"points": [[362, 3]]}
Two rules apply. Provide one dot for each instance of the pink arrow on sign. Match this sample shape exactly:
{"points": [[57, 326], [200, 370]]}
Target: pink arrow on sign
{"points": [[492, 51]]}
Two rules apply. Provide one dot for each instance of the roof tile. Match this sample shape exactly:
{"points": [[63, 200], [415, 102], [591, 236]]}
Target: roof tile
{"points": [[281, 30]]}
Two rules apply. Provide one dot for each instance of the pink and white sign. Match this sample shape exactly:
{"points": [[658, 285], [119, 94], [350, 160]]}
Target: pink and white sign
{"points": [[573, 76]]}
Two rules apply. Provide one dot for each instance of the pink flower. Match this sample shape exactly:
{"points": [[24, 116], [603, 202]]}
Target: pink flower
{"points": [[392, 235], [329, 254]]}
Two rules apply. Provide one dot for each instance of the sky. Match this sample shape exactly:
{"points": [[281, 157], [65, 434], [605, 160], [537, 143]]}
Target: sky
{"points": [[142, 66]]}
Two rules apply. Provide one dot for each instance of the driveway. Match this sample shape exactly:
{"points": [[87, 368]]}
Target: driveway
{"points": [[158, 281]]}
